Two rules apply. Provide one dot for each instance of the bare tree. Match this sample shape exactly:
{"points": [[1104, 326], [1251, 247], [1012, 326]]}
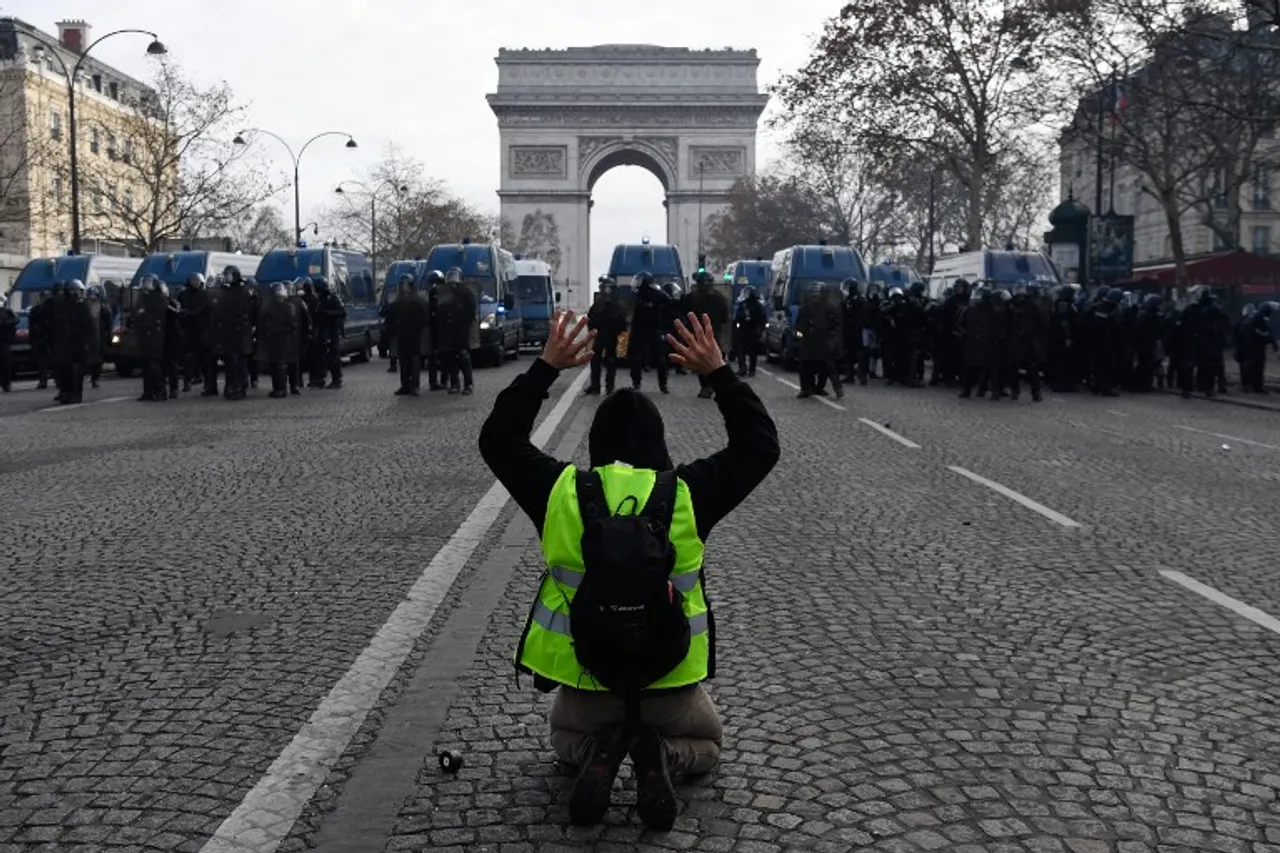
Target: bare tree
{"points": [[261, 230], [414, 212], [953, 82], [766, 213], [168, 169]]}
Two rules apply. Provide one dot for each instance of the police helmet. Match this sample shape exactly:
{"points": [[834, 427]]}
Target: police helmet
{"points": [[232, 274], [300, 284], [896, 293], [151, 284], [434, 278], [95, 292], [917, 288], [1004, 295], [1151, 302], [321, 283], [641, 279], [278, 289], [1266, 309], [1115, 296], [195, 281], [961, 287], [75, 287], [405, 284], [454, 275], [849, 285]]}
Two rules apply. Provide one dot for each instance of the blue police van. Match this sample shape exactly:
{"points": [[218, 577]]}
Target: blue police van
{"points": [[661, 260], [743, 274], [491, 271], [350, 275], [535, 300], [792, 273], [890, 275], [38, 277]]}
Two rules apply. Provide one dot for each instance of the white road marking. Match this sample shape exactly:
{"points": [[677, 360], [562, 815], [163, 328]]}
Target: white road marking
{"points": [[267, 814], [905, 442], [796, 387], [1227, 437], [62, 407], [1056, 400], [116, 400], [1253, 614], [1114, 412], [1052, 515]]}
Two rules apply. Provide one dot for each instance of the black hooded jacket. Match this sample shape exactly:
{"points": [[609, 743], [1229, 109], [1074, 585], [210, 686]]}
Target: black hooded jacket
{"points": [[628, 428]]}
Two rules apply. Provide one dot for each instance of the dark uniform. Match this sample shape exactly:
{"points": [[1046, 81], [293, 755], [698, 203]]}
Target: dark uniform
{"points": [[233, 332], [38, 326], [72, 330], [194, 326], [8, 330], [749, 320], [712, 300], [331, 319], [306, 331], [149, 320], [435, 373], [648, 318], [100, 314], [818, 328], [608, 320], [457, 305], [408, 321], [279, 336], [1027, 337]]}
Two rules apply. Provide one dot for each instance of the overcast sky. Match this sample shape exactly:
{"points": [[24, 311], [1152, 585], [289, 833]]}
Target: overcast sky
{"points": [[415, 73]]}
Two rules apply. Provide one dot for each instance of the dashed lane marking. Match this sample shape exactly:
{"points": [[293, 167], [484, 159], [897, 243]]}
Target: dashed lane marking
{"points": [[116, 400], [1253, 614], [1227, 437], [268, 812], [796, 387], [1117, 414], [884, 430], [63, 407], [1052, 515]]}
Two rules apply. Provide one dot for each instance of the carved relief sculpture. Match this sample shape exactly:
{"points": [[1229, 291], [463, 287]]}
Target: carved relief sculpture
{"points": [[589, 145], [721, 162], [668, 146], [539, 161], [540, 236]]}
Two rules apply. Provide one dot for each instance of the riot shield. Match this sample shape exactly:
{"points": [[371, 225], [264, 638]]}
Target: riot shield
{"points": [[723, 321], [427, 339], [213, 296], [821, 310]]}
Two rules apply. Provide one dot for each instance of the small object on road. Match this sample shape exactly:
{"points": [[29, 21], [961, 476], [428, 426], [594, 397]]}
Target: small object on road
{"points": [[1226, 447], [888, 425], [450, 761]]}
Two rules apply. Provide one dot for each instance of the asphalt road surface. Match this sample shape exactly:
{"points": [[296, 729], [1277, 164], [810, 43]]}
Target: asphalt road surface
{"points": [[943, 625]]}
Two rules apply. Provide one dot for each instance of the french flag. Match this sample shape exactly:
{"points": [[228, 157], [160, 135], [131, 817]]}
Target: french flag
{"points": [[1118, 101]]}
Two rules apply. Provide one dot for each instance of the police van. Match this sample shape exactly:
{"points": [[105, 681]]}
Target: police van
{"points": [[350, 275], [173, 269], [889, 275], [793, 272], [38, 277], [535, 300], [994, 268], [491, 271], [743, 274]]}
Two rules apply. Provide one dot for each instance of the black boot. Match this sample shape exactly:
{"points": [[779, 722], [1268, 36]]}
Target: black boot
{"points": [[655, 792], [589, 799]]}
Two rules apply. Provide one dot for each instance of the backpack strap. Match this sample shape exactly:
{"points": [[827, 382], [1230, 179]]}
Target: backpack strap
{"points": [[592, 505], [662, 499]]}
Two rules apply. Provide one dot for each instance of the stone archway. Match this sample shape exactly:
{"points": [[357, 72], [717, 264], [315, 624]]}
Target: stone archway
{"points": [[566, 117]]}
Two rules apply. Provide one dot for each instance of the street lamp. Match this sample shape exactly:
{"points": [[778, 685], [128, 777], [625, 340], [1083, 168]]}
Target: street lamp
{"points": [[702, 164], [373, 212], [156, 48], [297, 160]]}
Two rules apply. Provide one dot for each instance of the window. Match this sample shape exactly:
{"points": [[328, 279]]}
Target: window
{"points": [[128, 150], [1262, 187], [97, 82], [1262, 239], [128, 201], [97, 200], [1220, 189], [95, 140], [55, 124], [111, 145], [113, 89], [57, 190]]}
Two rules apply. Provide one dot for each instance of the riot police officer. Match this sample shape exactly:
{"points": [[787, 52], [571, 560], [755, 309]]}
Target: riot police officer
{"points": [[749, 321], [408, 318], [194, 327], [608, 320], [279, 336], [647, 327], [233, 332], [72, 334], [707, 299], [100, 316], [330, 323], [148, 320], [435, 375], [458, 308]]}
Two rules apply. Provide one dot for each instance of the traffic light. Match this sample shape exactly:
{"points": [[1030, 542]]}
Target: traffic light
{"points": [[702, 264]]}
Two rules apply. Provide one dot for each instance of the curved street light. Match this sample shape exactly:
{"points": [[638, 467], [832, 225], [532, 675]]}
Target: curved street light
{"points": [[297, 160], [373, 211], [156, 48]]}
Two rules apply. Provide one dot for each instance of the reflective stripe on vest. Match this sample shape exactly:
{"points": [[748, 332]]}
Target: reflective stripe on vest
{"points": [[546, 648]]}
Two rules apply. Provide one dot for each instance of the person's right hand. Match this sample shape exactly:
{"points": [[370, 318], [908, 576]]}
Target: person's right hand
{"points": [[697, 349]]}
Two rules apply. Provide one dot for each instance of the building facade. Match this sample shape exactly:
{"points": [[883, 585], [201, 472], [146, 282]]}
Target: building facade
{"points": [[35, 185], [1259, 201]]}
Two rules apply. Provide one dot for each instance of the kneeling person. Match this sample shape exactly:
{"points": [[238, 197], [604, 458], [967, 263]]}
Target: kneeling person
{"points": [[622, 627]]}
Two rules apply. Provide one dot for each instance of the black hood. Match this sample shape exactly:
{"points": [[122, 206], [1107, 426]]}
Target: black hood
{"points": [[628, 428]]}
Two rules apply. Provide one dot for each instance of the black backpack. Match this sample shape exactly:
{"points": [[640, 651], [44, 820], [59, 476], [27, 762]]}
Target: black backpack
{"points": [[627, 619]]}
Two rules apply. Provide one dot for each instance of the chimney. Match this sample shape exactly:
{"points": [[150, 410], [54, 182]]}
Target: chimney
{"points": [[73, 34]]}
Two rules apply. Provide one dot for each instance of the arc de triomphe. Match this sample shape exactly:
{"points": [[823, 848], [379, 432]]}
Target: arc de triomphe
{"points": [[565, 117]]}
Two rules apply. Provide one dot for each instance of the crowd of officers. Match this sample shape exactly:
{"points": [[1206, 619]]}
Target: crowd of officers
{"points": [[185, 337], [986, 338], [432, 329]]}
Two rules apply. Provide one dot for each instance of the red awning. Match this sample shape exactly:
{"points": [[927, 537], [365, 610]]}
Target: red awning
{"points": [[1245, 269]]}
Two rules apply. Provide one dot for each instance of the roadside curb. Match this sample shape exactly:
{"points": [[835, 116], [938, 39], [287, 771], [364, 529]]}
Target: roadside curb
{"points": [[1243, 402]]}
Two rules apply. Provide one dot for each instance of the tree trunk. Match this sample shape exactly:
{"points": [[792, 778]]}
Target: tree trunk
{"points": [[1176, 248]]}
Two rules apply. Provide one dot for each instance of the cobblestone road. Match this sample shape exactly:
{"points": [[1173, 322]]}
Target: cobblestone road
{"points": [[944, 625]]}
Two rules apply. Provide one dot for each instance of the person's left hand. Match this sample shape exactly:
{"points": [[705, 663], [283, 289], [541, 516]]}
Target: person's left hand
{"points": [[564, 348]]}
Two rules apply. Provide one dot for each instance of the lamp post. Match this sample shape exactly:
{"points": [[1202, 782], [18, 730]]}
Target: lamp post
{"points": [[156, 48], [373, 213], [297, 160], [702, 164]]}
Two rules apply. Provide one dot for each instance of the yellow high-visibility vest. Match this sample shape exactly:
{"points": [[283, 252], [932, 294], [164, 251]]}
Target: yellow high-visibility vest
{"points": [[546, 647]]}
